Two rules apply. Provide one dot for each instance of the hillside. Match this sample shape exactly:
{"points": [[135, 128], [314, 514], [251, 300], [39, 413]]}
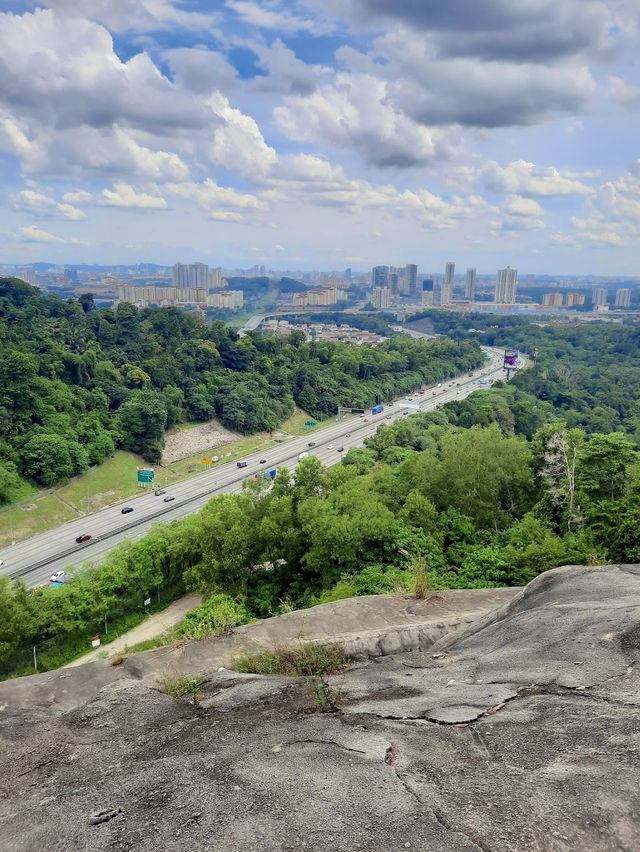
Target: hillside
{"points": [[76, 382], [518, 733]]}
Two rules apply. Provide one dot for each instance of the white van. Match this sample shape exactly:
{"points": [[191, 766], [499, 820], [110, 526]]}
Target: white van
{"points": [[302, 456]]}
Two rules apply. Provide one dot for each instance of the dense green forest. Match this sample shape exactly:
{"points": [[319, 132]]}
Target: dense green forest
{"points": [[588, 372], [76, 382]]}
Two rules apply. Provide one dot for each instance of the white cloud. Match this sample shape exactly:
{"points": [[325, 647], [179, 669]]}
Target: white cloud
{"points": [[356, 111], [238, 143], [226, 216], [620, 199], [32, 233], [31, 201], [625, 94], [71, 212], [210, 196], [69, 105], [528, 179], [433, 89], [525, 207], [139, 15], [123, 195], [276, 19], [77, 196], [306, 178]]}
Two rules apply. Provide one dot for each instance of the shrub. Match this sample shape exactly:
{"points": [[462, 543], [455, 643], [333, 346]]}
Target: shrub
{"points": [[176, 687], [304, 660], [217, 614]]}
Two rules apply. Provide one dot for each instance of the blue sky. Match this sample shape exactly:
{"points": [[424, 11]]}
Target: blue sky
{"points": [[322, 133]]}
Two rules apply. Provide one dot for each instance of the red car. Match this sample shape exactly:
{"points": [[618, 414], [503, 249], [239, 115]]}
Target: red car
{"points": [[82, 538]]}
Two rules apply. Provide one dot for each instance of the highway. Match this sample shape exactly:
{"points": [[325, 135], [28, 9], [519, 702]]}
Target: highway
{"points": [[36, 558]]}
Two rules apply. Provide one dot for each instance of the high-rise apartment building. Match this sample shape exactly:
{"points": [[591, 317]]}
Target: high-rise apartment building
{"points": [[427, 292], [599, 296], [506, 285], [186, 275], [470, 285], [552, 300], [574, 299], [411, 278], [446, 288], [379, 276], [623, 298], [381, 297]]}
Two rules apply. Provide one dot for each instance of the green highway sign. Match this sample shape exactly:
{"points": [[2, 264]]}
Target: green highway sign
{"points": [[146, 476]]}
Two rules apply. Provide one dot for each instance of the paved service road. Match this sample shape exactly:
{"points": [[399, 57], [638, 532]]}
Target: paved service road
{"points": [[36, 558]]}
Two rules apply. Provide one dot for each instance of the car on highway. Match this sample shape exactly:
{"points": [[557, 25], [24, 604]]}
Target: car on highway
{"points": [[57, 577], [348, 435], [263, 461], [341, 449], [388, 417], [159, 492], [82, 538], [1, 562], [311, 444], [126, 510], [169, 499], [329, 446], [366, 420], [241, 464]]}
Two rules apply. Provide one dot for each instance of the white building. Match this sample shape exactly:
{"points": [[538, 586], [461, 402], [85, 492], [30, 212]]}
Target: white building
{"points": [[186, 275], [381, 297], [599, 296], [470, 285], [623, 298], [230, 299], [506, 285], [446, 288], [411, 278]]}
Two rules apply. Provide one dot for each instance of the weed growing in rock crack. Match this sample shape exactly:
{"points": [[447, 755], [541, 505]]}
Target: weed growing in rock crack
{"points": [[325, 697], [306, 659], [176, 687], [421, 577]]}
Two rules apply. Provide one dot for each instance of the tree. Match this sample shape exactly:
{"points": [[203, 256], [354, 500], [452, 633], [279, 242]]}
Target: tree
{"points": [[46, 458], [142, 421], [559, 471], [9, 480], [485, 475], [604, 466]]}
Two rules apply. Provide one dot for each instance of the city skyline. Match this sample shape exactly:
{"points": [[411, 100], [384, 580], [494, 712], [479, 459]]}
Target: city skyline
{"points": [[306, 134]]}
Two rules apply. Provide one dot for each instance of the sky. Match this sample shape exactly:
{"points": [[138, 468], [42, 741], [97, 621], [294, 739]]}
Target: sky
{"points": [[322, 134]]}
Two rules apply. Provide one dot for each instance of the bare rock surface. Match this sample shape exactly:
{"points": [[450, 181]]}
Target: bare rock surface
{"points": [[516, 731], [182, 443]]}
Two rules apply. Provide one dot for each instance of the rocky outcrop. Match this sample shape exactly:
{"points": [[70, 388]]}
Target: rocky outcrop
{"points": [[517, 731]]}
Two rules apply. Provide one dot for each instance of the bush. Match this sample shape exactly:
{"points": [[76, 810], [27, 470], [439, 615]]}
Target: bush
{"points": [[304, 660], [217, 614]]}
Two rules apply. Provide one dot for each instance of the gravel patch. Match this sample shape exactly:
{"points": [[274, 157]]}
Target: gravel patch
{"points": [[189, 442]]}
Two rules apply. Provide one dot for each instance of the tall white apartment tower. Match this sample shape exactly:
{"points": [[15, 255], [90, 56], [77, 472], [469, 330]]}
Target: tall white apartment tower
{"points": [[411, 278], [599, 296], [446, 288], [623, 298], [506, 284], [470, 285]]}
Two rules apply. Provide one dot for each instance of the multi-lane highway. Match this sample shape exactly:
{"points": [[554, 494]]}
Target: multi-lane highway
{"points": [[38, 557]]}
